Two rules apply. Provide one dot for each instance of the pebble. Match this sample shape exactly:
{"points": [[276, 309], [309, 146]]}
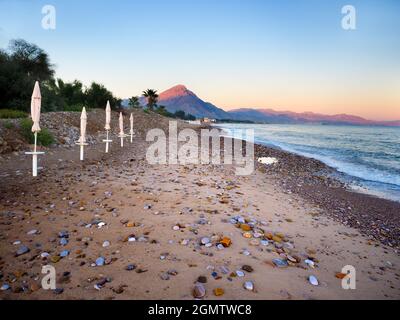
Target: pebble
{"points": [[218, 292], [280, 263], [313, 280], [248, 285], [226, 242], [44, 255], [239, 273], [199, 291], [63, 234], [22, 250], [247, 268], [130, 267], [106, 244], [5, 287], [58, 290], [100, 261], [175, 228], [310, 263], [64, 253]]}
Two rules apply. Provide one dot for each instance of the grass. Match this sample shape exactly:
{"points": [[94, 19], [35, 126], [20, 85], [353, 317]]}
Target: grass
{"points": [[44, 137], [12, 114]]}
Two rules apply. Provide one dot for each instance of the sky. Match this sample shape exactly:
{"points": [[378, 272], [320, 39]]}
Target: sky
{"points": [[286, 55]]}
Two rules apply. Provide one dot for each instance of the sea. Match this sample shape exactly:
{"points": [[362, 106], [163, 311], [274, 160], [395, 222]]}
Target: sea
{"points": [[367, 157]]}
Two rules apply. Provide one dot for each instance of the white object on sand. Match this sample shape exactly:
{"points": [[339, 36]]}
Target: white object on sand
{"points": [[131, 132], [122, 135], [267, 160], [107, 126], [82, 139], [36, 102]]}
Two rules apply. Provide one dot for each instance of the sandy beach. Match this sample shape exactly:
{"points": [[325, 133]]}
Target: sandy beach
{"points": [[152, 225]]}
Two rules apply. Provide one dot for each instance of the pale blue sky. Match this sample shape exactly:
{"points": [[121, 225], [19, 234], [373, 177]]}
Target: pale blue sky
{"points": [[255, 53]]}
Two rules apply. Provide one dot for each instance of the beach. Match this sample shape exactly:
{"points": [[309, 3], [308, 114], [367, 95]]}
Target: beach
{"points": [[152, 225]]}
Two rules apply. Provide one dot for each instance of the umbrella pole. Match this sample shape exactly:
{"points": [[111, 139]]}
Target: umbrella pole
{"points": [[81, 155], [34, 165], [34, 158], [122, 141], [34, 148], [107, 143]]}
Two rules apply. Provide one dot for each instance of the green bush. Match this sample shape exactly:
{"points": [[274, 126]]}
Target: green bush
{"points": [[44, 137], [11, 114]]}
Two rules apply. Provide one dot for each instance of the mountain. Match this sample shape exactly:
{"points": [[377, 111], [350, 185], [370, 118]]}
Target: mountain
{"points": [[289, 117], [181, 98]]}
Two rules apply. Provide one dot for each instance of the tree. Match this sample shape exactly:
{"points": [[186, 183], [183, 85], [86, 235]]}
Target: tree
{"points": [[152, 98], [96, 96], [134, 102], [20, 67]]}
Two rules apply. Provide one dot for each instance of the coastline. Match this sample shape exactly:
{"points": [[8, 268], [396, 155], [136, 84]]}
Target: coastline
{"points": [[168, 210]]}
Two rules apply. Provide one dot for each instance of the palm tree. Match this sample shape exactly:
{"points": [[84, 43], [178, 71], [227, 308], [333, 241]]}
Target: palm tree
{"points": [[134, 102], [152, 97]]}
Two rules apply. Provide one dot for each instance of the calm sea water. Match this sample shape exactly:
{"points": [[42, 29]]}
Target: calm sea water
{"points": [[369, 157]]}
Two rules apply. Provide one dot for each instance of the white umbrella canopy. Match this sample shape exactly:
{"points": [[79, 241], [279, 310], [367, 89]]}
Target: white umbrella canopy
{"points": [[36, 102], [108, 116], [82, 139], [131, 120], [121, 124]]}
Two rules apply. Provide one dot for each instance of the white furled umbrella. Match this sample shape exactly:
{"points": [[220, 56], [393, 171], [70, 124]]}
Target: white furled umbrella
{"points": [[108, 116], [107, 126], [82, 139], [122, 135], [131, 121], [36, 102]]}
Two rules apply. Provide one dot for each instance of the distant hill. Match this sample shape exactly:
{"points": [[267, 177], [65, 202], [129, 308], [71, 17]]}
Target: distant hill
{"points": [[289, 117], [181, 98]]}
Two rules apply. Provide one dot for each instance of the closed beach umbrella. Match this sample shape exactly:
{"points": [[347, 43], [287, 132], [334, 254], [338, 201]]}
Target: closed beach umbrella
{"points": [[131, 121], [108, 116], [121, 124], [36, 102], [82, 139]]}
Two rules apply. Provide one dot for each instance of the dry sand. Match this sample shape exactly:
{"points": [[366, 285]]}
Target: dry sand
{"points": [[118, 189]]}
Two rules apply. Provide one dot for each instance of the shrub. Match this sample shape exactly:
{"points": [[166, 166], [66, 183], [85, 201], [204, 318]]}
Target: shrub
{"points": [[44, 137], [8, 125], [11, 114]]}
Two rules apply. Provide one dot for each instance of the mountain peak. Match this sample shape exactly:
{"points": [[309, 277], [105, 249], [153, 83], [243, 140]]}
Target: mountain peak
{"points": [[177, 91]]}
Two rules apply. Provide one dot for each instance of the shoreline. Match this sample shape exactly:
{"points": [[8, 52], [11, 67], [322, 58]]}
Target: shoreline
{"points": [[376, 217]]}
